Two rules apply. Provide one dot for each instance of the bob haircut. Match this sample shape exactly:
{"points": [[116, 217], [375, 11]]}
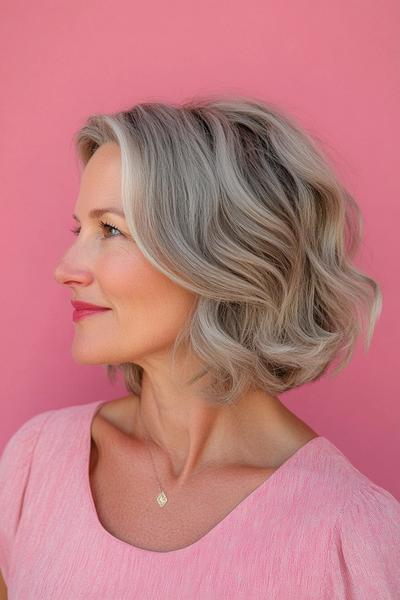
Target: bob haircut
{"points": [[230, 199]]}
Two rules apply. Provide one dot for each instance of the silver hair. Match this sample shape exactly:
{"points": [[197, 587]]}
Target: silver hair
{"points": [[232, 200]]}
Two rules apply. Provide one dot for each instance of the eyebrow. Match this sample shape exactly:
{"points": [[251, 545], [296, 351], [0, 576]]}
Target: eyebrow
{"points": [[95, 213]]}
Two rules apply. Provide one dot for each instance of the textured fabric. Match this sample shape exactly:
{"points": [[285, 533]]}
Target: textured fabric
{"points": [[317, 529]]}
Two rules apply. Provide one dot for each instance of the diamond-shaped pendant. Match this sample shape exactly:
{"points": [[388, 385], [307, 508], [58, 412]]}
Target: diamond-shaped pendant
{"points": [[162, 498]]}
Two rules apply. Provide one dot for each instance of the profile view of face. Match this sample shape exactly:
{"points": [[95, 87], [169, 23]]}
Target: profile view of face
{"points": [[104, 266]]}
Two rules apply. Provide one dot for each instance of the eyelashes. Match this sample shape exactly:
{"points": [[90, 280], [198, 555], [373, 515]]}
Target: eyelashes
{"points": [[103, 225]]}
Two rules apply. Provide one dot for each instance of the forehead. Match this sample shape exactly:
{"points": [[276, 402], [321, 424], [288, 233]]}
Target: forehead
{"points": [[101, 179], [105, 163]]}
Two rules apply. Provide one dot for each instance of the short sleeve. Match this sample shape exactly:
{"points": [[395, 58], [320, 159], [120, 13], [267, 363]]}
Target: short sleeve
{"points": [[15, 463], [366, 553]]}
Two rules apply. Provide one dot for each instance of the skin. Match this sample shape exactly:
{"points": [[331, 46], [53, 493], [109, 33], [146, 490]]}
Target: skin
{"points": [[106, 268]]}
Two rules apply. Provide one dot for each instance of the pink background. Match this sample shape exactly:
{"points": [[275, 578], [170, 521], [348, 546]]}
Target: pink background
{"points": [[333, 66]]}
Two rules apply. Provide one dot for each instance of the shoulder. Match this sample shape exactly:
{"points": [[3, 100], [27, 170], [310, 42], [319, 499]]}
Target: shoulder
{"points": [[32, 445], [328, 482], [21, 443], [361, 521], [18, 451], [365, 550], [26, 443], [15, 463], [46, 424], [370, 518]]}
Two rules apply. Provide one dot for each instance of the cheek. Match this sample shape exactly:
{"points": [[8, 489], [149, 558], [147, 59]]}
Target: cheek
{"points": [[141, 294], [118, 275]]}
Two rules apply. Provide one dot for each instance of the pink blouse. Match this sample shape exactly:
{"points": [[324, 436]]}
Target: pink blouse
{"points": [[317, 529]]}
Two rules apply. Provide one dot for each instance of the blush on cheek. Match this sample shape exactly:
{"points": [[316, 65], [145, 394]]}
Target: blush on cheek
{"points": [[142, 294], [125, 276]]}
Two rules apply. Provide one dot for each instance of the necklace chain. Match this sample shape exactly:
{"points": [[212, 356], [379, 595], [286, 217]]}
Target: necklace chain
{"points": [[161, 498]]}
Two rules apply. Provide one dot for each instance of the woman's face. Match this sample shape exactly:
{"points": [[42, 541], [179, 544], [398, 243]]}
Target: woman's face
{"points": [[104, 266]]}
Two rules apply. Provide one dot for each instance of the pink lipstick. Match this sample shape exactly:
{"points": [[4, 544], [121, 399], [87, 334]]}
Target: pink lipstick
{"points": [[84, 309]]}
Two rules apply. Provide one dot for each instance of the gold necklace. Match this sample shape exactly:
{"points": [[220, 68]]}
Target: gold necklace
{"points": [[161, 498]]}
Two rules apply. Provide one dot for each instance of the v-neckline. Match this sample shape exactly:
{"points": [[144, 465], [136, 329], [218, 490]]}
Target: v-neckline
{"points": [[272, 478]]}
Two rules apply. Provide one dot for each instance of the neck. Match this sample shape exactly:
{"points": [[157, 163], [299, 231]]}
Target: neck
{"points": [[188, 436]]}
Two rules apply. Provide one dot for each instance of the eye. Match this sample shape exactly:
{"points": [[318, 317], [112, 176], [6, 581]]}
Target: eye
{"points": [[108, 226], [105, 226]]}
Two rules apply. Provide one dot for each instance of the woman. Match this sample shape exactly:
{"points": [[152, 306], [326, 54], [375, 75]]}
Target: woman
{"points": [[216, 245]]}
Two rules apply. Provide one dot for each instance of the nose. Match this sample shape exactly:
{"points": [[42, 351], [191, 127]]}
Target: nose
{"points": [[69, 272]]}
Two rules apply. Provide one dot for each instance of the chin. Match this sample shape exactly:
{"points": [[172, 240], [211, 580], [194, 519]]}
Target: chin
{"points": [[90, 356]]}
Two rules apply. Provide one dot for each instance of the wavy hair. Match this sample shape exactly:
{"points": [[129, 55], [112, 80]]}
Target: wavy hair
{"points": [[232, 200]]}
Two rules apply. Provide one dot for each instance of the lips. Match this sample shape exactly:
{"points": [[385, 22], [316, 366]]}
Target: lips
{"points": [[78, 305], [85, 309]]}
